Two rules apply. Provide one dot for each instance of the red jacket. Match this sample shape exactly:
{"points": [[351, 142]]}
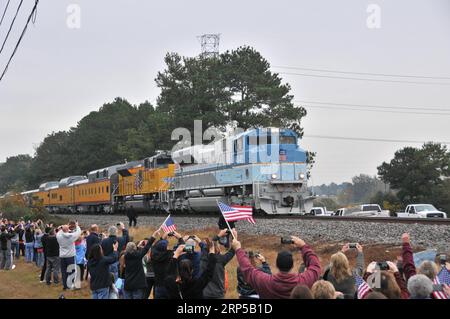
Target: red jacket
{"points": [[280, 285], [409, 269]]}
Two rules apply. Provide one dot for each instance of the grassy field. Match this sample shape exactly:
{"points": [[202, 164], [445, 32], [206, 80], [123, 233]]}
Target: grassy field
{"points": [[23, 281]]}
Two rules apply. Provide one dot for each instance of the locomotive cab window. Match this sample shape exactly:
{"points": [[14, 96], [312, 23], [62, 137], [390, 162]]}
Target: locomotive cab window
{"points": [[287, 139]]}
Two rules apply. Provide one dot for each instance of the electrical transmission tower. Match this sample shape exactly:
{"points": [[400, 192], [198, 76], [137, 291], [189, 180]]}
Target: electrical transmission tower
{"points": [[210, 45]]}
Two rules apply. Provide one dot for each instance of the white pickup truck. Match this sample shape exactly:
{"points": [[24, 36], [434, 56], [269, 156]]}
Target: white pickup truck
{"points": [[365, 210], [319, 211], [422, 211]]}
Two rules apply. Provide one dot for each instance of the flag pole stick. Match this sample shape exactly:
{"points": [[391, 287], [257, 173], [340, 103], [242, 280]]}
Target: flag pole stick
{"points": [[232, 234]]}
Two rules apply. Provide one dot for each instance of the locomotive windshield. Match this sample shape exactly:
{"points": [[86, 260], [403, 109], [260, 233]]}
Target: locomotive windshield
{"points": [[287, 139]]}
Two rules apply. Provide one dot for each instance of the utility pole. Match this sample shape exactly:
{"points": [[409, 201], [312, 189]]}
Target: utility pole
{"points": [[210, 45]]}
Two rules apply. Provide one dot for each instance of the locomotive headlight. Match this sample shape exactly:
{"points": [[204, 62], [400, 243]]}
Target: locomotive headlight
{"points": [[301, 175], [274, 176]]}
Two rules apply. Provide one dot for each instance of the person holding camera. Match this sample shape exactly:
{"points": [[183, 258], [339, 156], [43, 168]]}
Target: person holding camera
{"points": [[391, 283], [53, 261], [135, 283], [5, 247], [339, 272], [107, 246], [161, 257], [98, 267], [428, 268], [216, 287], [280, 285], [244, 289], [183, 284], [66, 238], [191, 242]]}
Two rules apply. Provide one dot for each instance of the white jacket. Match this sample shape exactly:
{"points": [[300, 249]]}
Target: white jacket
{"points": [[66, 242]]}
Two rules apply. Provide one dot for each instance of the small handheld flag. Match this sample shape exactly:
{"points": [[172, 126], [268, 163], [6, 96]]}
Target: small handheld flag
{"points": [[235, 212], [362, 287], [168, 225]]}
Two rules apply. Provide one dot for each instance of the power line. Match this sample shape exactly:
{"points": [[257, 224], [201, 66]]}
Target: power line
{"points": [[21, 36], [363, 79], [378, 106], [4, 12], [12, 24], [347, 138], [364, 73], [365, 110]]}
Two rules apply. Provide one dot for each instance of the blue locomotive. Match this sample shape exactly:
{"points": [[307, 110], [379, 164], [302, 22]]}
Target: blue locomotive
{"points": [[264, 168]]}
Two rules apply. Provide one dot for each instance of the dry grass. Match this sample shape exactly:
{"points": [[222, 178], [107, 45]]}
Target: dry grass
{"points": [[23, 282]]}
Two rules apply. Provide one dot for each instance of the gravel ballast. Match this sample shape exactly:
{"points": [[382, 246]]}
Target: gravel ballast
{"points": [[424, 235]]}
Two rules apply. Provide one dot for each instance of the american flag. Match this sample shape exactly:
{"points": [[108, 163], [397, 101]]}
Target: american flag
{"points": [[169, 226], [443, 277], [362, 287], [236, 212], [138, 181]]}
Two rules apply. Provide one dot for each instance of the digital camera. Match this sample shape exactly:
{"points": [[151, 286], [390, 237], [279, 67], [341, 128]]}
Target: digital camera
{"points": [[443, 258], [352, 245], [188, 249]]}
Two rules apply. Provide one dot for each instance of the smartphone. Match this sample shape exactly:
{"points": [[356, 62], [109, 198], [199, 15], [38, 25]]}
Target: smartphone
{"points": [[286, 240], [443, 259], [383, 265]]}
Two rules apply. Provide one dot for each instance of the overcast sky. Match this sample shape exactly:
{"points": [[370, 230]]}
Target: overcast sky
{"points": [[60, 74]]}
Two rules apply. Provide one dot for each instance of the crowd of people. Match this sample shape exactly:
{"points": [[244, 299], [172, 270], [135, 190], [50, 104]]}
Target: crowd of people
{"points": [[116, 267]]}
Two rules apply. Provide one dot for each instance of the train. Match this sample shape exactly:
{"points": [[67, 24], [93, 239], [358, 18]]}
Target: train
{"points": [[264, 168]]}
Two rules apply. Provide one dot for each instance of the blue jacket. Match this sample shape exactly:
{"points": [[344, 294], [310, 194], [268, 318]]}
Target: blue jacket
{"points": [[80, 253]]}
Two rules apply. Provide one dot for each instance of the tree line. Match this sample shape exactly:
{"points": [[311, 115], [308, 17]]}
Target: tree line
{"points": [[236, 88]]}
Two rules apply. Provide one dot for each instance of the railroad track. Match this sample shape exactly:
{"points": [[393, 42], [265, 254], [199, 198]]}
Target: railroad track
{"points": [[395, 220]]}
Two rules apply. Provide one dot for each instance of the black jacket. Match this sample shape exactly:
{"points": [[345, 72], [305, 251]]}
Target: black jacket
{"points": [[44, 243], [123, 241], [192, 289], [51, 246], [99, 271], [91, 240], [4, 238], [134, 270], [216, 286], [161, 261], [107, 245], [29, 236]]}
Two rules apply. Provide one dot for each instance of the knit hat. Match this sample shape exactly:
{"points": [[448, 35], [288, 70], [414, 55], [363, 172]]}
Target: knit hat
{"points": [[285, 262], [161, 245]]}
